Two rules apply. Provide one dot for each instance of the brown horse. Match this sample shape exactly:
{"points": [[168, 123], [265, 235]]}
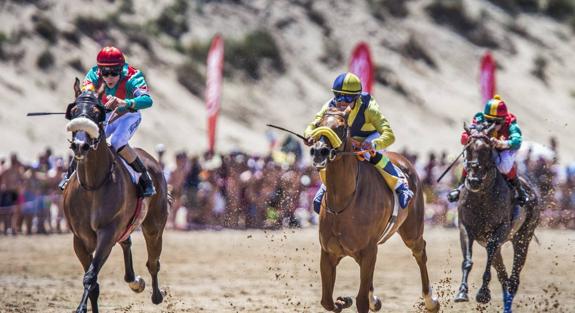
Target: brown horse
{"points": [[100, 202], [357, 214]]}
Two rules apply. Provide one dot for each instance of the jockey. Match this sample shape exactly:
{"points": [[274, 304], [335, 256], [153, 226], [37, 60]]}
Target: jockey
{"points": [[125, 93], [368, 128], [506, 138]]}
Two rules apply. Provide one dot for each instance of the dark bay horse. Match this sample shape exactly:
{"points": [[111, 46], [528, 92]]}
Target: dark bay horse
{"points": [[100, 201], [487, 214], [357, 215]]}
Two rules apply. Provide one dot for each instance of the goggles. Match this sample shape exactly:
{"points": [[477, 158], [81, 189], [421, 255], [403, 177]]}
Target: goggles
{"points": [[106, 72], [340, 97]]}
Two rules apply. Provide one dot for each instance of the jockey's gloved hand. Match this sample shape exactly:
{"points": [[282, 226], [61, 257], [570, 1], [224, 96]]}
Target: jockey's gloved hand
{"points": [[500, 144], [309, 141]]}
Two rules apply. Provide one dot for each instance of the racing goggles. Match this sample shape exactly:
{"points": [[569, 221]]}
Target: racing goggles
{"points": [[110, 71], [340, 97]]}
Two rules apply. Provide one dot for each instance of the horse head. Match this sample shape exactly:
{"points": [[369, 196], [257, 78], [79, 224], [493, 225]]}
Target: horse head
{"points": [[480, 167], [86, 115], [331, 136]]}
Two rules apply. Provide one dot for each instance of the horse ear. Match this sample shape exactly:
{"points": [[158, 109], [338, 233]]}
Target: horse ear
{"points": [[466, 128], [77, 90]]}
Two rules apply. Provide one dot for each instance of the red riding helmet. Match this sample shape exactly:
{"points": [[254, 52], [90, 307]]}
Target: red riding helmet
{"points": [[110, 56]]}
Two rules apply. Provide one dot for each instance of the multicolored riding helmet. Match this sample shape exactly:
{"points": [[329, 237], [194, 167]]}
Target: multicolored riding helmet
{"points": [[346, 87], [110, 57], [495, 109]]}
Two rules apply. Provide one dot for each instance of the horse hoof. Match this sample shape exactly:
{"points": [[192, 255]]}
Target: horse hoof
{"points": [[483, 296], [432, 304], [138, 285], [461, 297], [342, 303], [158, 297], [375, 305]]}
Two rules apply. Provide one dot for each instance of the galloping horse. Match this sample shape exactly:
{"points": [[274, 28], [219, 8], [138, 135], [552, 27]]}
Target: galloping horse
{"points": [[357, 214], [488, 215], [100, 202]]}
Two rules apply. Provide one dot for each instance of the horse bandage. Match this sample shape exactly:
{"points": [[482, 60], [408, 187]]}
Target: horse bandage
{"points": [[329, 133]]}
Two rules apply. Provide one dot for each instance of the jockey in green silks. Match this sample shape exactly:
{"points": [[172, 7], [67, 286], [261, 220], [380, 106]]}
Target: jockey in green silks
{"points": [[125, 94], [368, 128]]}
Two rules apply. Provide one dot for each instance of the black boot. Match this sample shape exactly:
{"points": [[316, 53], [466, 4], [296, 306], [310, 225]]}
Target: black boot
{"points": [[453, 195], [522, 196], [64, 181], [145, 182]]}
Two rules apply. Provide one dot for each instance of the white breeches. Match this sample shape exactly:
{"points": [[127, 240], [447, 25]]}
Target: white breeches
{"points": [[119, 132], [504, 160]]}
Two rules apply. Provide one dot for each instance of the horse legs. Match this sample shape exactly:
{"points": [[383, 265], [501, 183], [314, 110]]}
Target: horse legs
{"points": [[417, 247], [104, 243], [136, 283], [501, 274], [328, 264], [466, 242], [520, 247], [493, 246], [153, 235], [86, 258], [365, 299]]}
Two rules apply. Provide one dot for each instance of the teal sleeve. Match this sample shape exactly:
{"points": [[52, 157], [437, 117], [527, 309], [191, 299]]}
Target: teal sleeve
{"points": [[137, 93], [515, 137]]}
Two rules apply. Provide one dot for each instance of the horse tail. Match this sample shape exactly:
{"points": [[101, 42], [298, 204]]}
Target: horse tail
{"points": [[536, 239]]}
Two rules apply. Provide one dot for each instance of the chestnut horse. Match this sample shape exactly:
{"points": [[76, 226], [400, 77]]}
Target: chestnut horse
{"points": [[357, 214], [100, 202]]}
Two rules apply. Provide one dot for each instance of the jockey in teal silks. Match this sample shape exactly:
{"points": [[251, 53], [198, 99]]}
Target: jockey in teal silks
{"points": [[506, 138], [369, 129], [125, 93]]}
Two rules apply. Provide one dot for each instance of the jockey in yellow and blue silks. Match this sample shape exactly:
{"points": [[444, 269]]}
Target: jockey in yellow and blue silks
{"points": [[368, 128], [125, 93]]}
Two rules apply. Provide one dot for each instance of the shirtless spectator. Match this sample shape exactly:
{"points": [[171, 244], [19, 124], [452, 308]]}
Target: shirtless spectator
{"points": [[176, 185], [11, 182]]}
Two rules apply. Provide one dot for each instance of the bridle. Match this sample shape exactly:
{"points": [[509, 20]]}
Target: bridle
{"points": [[93, 143], [490, 174]]}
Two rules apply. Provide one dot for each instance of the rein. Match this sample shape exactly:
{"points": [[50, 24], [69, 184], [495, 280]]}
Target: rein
{"points": [[105, 180]]}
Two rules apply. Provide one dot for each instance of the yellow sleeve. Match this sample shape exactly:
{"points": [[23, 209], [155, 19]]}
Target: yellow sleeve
{"points": [[376, 118], [313, 125]]}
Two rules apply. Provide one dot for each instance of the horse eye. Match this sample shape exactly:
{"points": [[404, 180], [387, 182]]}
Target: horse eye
{"points": [[312, 151]]}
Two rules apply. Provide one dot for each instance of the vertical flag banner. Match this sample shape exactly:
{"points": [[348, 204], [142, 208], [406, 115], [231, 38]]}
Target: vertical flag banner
{"points": [[215, 65], [360, 64], [487, 77]]}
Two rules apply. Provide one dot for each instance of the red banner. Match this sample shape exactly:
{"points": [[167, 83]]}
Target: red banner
{"points": [[487, 77], [360, 64], [215, 65]]}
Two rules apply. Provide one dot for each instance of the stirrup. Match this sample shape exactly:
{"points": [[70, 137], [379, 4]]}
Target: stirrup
{"points": [[453, 195], [63, 183]]}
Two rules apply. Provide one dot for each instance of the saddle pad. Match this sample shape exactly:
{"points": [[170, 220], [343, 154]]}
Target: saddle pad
{"points": [[392, 221], [135, 176], [139, 215]]}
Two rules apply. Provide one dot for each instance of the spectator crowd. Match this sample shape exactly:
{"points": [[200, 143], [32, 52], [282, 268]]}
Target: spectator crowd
{"points": [[239, 190]]}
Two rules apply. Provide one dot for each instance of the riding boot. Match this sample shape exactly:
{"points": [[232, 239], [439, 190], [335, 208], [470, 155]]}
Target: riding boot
{"points": [[522, 196], [64, 182], [453, 195], [128, 154], [394, 178]]}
